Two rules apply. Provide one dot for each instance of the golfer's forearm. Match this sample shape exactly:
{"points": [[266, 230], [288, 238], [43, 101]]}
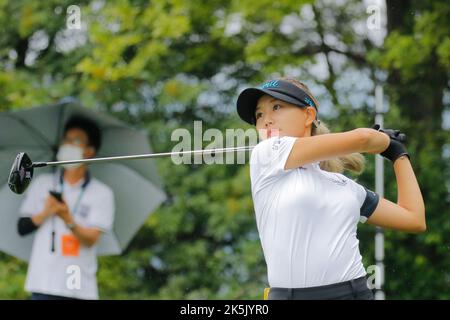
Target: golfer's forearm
{"points": [[409, 195], [376, 141]]}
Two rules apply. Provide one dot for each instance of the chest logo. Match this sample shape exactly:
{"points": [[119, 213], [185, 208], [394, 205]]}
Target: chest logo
{"points": [[84, 211], [337, 180]]}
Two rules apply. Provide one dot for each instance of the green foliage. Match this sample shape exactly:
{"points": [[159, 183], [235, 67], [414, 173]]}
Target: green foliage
{"points": [[408, 52]]}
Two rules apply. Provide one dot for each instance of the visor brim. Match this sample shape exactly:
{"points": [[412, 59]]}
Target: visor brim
{"points": [[248, 99]]}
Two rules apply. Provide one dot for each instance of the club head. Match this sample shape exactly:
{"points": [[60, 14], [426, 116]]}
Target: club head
{"points": [[21, 173]]}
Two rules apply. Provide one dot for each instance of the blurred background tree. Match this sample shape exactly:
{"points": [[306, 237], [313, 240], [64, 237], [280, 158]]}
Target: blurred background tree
{"points": [[162, 64]]}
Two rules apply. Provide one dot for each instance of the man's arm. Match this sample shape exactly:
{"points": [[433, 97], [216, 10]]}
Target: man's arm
{"points": [[39, 218], [27, 225], [87, 236]]}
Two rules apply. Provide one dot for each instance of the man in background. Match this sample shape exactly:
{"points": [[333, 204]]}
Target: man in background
{"points": [[68, 210]]}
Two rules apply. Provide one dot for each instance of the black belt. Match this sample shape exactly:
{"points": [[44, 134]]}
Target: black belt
{"points": [[331, 291]]}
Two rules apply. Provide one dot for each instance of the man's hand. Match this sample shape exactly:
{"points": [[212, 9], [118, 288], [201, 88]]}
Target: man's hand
{"points": [[63, 211], [87, 236], [50, 206]]}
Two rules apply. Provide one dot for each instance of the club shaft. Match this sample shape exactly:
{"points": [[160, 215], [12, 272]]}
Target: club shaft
{"points": [[144, 156]]}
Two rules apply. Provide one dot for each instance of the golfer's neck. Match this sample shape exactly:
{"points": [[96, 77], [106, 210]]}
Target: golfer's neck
{"points": [[75, 175]]}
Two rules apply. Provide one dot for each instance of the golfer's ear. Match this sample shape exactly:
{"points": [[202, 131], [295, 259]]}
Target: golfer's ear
{"points": [[311, 115]]}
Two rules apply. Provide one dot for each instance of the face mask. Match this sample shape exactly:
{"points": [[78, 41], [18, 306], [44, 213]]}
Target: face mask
{"points": [[68, 152]]}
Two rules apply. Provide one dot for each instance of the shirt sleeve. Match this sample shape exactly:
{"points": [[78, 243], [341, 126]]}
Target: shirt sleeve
{"points": [[102, 215], [268, 160], [368, 200], [34, 200]]}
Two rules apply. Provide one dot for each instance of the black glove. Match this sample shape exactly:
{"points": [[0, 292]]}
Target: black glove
{"points": [[393, 134], [396, 148]]}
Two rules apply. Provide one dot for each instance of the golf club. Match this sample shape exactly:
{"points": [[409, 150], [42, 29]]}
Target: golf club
{"points": [[22, 169]]}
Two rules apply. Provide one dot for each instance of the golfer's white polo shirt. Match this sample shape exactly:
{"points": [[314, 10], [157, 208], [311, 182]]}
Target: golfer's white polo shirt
{"points": [[56, 272], [307, 218]]}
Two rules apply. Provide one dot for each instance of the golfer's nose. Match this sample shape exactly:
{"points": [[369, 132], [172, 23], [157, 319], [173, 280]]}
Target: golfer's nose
{"points": [[268, 120]]}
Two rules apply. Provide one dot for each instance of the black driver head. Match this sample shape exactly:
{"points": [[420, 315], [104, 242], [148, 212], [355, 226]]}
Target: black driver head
{"points": [[21, 173]]}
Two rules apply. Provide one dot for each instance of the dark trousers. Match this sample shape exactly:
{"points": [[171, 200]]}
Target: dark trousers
{"points": [[356, 289], [43, 296]]}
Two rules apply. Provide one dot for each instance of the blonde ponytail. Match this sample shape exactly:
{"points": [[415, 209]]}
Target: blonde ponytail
{"points": [[354, 162]]}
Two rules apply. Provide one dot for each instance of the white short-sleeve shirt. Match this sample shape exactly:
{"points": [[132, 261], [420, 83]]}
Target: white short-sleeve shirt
{"points": [[52, 272], [306, 218]]}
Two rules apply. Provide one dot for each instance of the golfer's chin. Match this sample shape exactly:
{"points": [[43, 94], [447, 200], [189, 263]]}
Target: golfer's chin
{"points": [[265, 134]]}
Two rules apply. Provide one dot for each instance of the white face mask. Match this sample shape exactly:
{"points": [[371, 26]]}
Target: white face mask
{"points": [[68, 152]]}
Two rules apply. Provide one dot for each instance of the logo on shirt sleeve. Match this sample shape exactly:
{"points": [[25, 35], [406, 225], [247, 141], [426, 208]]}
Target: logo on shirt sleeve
{"points": [[276, 144]]}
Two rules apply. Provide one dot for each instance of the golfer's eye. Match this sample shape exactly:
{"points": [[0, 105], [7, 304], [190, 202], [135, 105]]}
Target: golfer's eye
{"points": [[258, 115], [276, 107]]}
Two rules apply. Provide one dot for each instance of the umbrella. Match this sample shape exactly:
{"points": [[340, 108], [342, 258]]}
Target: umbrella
{"points": [[38, 131]]}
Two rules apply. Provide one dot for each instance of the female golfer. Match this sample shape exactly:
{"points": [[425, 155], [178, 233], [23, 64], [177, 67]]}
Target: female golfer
{"points": [[306, 210]]}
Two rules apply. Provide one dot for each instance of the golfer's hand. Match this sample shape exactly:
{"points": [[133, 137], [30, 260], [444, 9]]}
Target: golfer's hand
{"points": [[392, 133], [396, 147]]}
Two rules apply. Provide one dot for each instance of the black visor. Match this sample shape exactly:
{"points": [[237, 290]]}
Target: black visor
{"points": [[278, 89]]}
